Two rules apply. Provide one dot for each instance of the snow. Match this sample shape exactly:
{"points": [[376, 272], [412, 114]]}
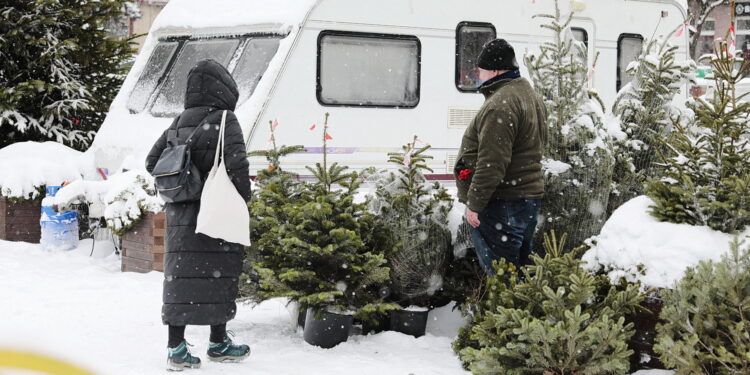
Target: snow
{"points": [[553, 167], [230, 13], [633, 239], [27, 166], [85, 311]]}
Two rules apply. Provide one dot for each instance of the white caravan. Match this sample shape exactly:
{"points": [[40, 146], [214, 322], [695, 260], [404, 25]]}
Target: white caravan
{"points": [[385, 70]]}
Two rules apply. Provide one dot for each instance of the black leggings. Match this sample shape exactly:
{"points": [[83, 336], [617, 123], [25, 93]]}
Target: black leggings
{"points": [[177, 334]]}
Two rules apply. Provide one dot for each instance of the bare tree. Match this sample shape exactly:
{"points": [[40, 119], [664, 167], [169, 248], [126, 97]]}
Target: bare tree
{"points": [[699, 10]]}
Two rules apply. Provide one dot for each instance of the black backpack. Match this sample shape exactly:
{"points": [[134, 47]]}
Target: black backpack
{"points": [[177, 179]]}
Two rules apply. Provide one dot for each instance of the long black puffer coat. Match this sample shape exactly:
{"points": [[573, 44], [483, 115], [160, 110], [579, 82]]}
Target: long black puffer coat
{"points": [[202, 273]]}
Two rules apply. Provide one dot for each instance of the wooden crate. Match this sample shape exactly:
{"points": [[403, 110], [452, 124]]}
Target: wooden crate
{"points": [[20, 221], [143, 245]]}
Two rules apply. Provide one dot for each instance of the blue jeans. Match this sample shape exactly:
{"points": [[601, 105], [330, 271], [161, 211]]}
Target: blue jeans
{"points": [[506, 230]]}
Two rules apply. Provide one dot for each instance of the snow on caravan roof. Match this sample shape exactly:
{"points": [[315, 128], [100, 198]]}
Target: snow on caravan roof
{"points": [[128, 136], [194, 14]]}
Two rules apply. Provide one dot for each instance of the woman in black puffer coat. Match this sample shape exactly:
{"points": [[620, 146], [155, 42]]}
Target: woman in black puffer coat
{"points": [[201, 273]]}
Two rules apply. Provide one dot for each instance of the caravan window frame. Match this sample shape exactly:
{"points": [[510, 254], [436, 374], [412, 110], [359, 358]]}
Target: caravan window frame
{"points": [[182, 40], [585, 35], [358, 34], [457, 67], [623, 36]]}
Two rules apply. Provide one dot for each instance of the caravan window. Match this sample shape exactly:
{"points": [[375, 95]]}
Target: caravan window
{"points": [[154, 69], [254, 61], [470, 38], [629, 47], [581, 35], [375, 70], [170, 101]]}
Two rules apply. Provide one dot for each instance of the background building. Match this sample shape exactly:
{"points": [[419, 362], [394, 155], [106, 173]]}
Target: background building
{"points": [[149, 10], [717, 24]]}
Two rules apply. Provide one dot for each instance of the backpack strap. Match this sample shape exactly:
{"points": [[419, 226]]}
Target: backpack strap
{"points": [[190, 137], [172, 138]]}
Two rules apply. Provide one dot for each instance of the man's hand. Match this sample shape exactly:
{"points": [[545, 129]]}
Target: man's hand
{"points": [[472, 217]]}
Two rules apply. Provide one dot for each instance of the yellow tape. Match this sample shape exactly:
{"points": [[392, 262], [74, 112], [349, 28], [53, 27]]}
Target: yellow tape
{"points": [[38, 363]]}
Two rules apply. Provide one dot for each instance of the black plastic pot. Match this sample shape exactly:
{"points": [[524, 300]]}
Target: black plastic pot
{"points": [[301, 316], [328, 331], [409, 322]]}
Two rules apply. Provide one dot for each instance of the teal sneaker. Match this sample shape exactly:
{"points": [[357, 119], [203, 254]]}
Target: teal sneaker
{"points": [[227, 351], [179, 358]]}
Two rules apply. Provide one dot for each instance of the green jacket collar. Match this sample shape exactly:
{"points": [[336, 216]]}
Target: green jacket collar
{"points": [[490, 89]]}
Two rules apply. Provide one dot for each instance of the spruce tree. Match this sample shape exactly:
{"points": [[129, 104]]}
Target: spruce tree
{"points": [[645, 112], [275, 189], [559, 319], [705, 326], [60, 71], [704, 174], [579, 152], [415, 214], [330, 254]]}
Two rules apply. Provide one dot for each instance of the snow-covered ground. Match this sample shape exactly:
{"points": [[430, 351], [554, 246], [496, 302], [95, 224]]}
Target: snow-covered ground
{"points": [[83, 310]]}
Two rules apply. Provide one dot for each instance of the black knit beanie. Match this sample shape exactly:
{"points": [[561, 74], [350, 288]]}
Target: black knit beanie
{"points": [[497, 55]]}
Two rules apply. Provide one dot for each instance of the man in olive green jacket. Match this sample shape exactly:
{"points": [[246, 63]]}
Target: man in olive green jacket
{"points": [[499, 167]]}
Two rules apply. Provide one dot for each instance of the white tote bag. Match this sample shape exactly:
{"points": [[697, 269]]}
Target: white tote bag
{"points": [[223, 213]]}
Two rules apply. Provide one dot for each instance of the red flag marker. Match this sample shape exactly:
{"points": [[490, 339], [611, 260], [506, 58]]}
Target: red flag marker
{"points": [[275, 124], [680, 31], [312, 127], [271, 139], [328, 137]]}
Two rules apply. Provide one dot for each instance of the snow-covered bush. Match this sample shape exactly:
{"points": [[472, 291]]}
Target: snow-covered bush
{"points": [[645, 111], [704, 176], [635, 245], [126, 197], [414, 213], [27, 167], [706, 328], [60, 69], [131, 195], [579, 148], [559, 319]]}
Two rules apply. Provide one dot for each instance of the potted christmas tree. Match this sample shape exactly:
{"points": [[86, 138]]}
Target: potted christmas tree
{"points": [[275, 188], [327, 258], [415, 215]]}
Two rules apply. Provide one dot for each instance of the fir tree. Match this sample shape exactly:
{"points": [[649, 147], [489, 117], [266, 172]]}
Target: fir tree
{"points": [[578, 152], [645, 112], [60, 71], [705, 171], [275, 190], [329, 253], [415, 214], [558, 320], [706, 328]]}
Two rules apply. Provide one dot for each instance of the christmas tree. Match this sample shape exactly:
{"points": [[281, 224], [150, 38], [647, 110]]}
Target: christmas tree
{"points": [[330, 254], [559, 319], [276, 189], [578, 168], [705, 329], [705, 170], [415, 214], [61, 69], [645, 112]]}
